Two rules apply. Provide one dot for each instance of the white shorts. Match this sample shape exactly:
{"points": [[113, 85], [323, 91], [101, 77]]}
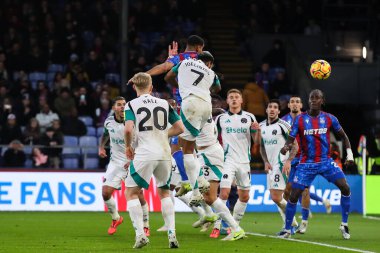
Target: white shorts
{"points": [[115, 174], [275, 179], [140, 173], [211, 161], [194, 114], [176, 177], [239, 171]]}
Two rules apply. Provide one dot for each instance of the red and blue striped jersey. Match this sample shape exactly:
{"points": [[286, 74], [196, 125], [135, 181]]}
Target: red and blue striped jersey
{"points": [[289, 119], [175, 59], [314, 134]]}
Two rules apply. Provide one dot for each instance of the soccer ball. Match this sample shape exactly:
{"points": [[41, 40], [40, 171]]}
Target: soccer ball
{"points": [[320, 69]]}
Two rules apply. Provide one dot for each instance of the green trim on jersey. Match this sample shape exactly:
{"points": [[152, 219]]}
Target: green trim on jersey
{"points": [[215, 169], [173, 115], [176, 67], [137, 178], [105, 131], [129, 115], [281, 167], [201, 171], [226, 152], [216, 81], [253, 130], [195, 132], [249, 153]]}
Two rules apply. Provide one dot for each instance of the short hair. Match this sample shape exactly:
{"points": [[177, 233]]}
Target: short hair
{"points": [[117, 99], [142, 80], [274, 101], [295, 96], [234, 91], [206, 56], [195, 40]]}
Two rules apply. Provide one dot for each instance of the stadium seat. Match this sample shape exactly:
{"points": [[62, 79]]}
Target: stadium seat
{"points": [[71, 152], [50, 80], [111, 77], [34, 77], [99, 131], [91, 131], [53, 68], [89, 146], [87, 120]]}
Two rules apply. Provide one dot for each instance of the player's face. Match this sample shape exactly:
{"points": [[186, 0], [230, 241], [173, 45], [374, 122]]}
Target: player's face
{"points": [[295, 104], [234, 100], [273, 111], [118, 108], [316, 100]]}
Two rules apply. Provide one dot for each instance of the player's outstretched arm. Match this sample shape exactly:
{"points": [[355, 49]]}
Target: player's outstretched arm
{"points": [[347, 144], [170, 78], [103, 140], [160, 69], [292, 154], [176, 129]]}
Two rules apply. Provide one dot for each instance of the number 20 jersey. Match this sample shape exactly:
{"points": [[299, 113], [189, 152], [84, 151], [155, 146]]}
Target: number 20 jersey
{"points": [[195, 78], [152, 117]]}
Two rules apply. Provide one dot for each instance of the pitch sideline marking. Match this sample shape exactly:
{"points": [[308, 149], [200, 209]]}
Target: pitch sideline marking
{"points": [[310, 242], [371, 217]]}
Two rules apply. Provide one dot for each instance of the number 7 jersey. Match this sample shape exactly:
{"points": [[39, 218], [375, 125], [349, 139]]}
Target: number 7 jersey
{"points": [[195, 78], [151, 116]]}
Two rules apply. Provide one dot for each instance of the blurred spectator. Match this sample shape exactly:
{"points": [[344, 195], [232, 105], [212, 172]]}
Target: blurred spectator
{"points": [[6, 109], [313, 28], [276, 57], [26, 110], [84, 103], [102, 112], [110, 64], [255, 100], [72, 125], [56, 125], [60, 82], [14, 156], [53, 147], [280, 85], [11, 130], [94, 67], [263, 77], [3, 71], [46, 117], [65, 103], [40, 160], [32, 132]]}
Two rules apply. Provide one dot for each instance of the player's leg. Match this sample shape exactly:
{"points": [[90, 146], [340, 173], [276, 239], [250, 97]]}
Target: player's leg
{"points": [[111, 182], [325, 202], [162, 173], [145, 208], [305, 203], [138, 178], [335, 175], [177, 154]]}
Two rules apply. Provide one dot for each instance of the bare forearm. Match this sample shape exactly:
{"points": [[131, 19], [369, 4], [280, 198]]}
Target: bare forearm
{"points": [[104, 139], [345, 139], [263, 153], [293, 151]]}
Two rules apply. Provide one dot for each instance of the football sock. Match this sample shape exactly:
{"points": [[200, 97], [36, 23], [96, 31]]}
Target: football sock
{"points": [[167, 209], [172, 197], [223, 212], [345, 205], [305, 214], [207, 209], [111, 205], [136, 214], [192, 170], [196, 209], [145, 209], [289, 214], [178, 157], [239, 210], [315, 197]]}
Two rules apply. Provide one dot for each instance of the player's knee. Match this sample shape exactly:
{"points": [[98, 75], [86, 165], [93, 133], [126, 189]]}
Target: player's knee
{"points": [[345, 189], [224, 195], [294, 195], [276, 198], [106, 196], [209, 199], [244, 198], [305, 193]]}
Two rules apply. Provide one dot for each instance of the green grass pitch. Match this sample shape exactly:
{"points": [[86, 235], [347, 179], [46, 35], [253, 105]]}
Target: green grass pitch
{"points": [[87, 232]]}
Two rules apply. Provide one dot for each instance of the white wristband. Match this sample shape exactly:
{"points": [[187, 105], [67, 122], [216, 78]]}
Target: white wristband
{"points": [[350, 156]]}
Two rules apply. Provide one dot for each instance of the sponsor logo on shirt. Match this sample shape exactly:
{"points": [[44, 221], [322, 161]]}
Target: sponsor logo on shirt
{"points": [[315, 131], [231, 130], [270, 142]]}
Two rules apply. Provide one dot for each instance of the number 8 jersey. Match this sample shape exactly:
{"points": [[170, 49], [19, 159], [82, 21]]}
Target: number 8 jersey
{"points": [[151, 116], [195, 78]]}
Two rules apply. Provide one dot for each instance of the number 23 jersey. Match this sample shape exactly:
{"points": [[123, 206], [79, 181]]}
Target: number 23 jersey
{"points": [[151, 116]]}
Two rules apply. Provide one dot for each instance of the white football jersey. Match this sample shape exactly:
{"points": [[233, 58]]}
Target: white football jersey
{"points": [[274, 136], [116, 132], [152, 117], [195, 78], [236, 135], [208, 135]]}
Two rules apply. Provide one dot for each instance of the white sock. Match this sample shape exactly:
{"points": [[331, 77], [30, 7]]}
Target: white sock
{"points": [[239, 210], [172, 197], [196, 209], [167, 208], [136, 214], [207, 209], [111, 205], [223, 212], [145, 209], [192, 170]]}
